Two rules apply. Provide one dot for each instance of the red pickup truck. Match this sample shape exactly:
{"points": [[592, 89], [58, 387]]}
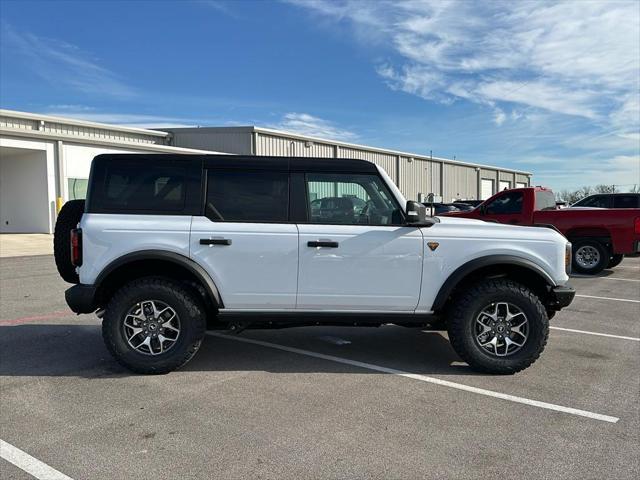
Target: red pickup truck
{"points": [[600, 236]]}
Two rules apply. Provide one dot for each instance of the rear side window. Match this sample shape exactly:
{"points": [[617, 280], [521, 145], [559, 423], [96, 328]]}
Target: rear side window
{"points": [[545, 201], [508, 203], [240, 196], [595, 201], [140, 187], [626, 201]]}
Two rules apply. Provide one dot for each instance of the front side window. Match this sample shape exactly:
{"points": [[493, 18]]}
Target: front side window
{"points": [[253, 197], [626, 201], [508, 203], [350, 199]]}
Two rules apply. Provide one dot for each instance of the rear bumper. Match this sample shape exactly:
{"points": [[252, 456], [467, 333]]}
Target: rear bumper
{"points": [[81, 298], [561, 297]]}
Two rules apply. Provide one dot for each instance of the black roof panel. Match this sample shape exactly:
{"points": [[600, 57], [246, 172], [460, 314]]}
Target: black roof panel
{"points": [[253, 162]]}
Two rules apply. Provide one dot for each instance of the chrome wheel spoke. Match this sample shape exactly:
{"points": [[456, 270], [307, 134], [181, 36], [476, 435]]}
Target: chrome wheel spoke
{"points": [[134, 333], [151, 327], [509, 341], [501, 329]]}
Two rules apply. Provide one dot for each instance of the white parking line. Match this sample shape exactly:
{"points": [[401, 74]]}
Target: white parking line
{"points": [[424, 378], [609, 298], [620, 337], [29, 464], [606, 278]]}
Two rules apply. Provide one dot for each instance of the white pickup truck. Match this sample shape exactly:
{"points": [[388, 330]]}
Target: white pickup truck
{"points": [[166, 246]]}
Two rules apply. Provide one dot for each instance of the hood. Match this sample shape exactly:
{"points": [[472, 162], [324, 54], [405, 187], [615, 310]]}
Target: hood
{"points": [[480, 228], [451, 219]]}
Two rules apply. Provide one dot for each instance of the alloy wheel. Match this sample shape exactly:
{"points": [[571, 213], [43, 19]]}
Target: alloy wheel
{"points": [[151, 327], [501, 329]]}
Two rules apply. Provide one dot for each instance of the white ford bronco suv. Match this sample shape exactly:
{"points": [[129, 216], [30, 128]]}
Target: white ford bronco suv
{"points": [[166, 246]]}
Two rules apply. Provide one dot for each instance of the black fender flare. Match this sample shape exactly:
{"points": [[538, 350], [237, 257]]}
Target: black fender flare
{"points": [[196, 269], [461, 272]]}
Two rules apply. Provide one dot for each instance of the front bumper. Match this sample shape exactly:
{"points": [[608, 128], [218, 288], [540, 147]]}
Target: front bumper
{"points": [[81, 298], [561, 297]]}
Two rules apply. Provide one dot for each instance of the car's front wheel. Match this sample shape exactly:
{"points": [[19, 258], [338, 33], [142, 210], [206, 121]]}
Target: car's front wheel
{"points": [[153, 325], [498, 326]]}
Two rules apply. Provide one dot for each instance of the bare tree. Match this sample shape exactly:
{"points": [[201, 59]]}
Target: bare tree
{"points": [[605, 189]]}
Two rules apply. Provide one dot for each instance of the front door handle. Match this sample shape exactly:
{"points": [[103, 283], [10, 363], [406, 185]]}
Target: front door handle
{"points": [[323, 243], [215, 241]]}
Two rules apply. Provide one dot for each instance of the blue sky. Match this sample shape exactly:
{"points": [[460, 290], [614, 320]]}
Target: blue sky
{"points": [[551, 88]]}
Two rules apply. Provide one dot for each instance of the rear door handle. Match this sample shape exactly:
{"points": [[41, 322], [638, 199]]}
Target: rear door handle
{"points": [[215, 241], [322, 243]]}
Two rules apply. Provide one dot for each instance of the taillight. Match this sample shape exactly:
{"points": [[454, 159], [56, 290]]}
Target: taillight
{"points": [[76, 247], [636, 226], [567, 258]]}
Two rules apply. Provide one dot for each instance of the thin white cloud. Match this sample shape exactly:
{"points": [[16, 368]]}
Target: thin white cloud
{"points": [[578, 58], [305, 124], [83, 112], [62, 64]]}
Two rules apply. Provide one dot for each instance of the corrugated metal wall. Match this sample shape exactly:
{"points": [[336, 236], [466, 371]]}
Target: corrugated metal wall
{"points": [[238, 143], [385, 160], [279, 146], [507, 177], [84, 132], [414, 175], [460, 182], [419, 176], [522, 179]]}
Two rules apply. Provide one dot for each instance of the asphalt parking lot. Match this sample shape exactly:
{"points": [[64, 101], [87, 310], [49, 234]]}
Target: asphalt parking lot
{"points": [[318, 402]]}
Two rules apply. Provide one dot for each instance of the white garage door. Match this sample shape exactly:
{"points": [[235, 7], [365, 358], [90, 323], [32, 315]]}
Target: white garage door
{"points": [[504, 185], [24, 193], [487, 188], [520, 185]]}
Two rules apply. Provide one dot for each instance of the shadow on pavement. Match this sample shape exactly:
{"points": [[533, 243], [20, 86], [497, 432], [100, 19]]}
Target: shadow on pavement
{"points": [[78, 351]]}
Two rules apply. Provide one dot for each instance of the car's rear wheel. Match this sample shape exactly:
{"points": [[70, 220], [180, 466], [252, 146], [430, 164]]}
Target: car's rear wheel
{"points": [[154, 325], [498, 326], [615, 260], [589, 256]]}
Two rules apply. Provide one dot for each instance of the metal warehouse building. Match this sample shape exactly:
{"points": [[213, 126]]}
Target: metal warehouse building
{"points": [[45, 160], [415, 175]]}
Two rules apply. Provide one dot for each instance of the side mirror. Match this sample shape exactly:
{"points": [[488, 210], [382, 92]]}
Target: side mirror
{"points": [[416, 213], [483, 209]]}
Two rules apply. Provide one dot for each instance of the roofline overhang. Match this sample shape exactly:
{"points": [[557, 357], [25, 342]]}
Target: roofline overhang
{"points": [[82, 123]]}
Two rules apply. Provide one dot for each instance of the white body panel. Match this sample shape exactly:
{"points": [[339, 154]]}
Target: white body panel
{"points": [[373, 268], [463, 240], [260, 267], [107, 237]]}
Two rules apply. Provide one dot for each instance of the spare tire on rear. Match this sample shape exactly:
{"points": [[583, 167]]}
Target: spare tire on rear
{"points": [[68, 219]]}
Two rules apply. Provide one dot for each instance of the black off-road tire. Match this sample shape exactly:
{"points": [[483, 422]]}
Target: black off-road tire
{"points": [[615, 260], [68, 218], [180, 298], [603, 253], [467, 305]]}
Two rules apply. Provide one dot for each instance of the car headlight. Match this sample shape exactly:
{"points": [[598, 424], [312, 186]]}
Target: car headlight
{"points": [[567, 258]]}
